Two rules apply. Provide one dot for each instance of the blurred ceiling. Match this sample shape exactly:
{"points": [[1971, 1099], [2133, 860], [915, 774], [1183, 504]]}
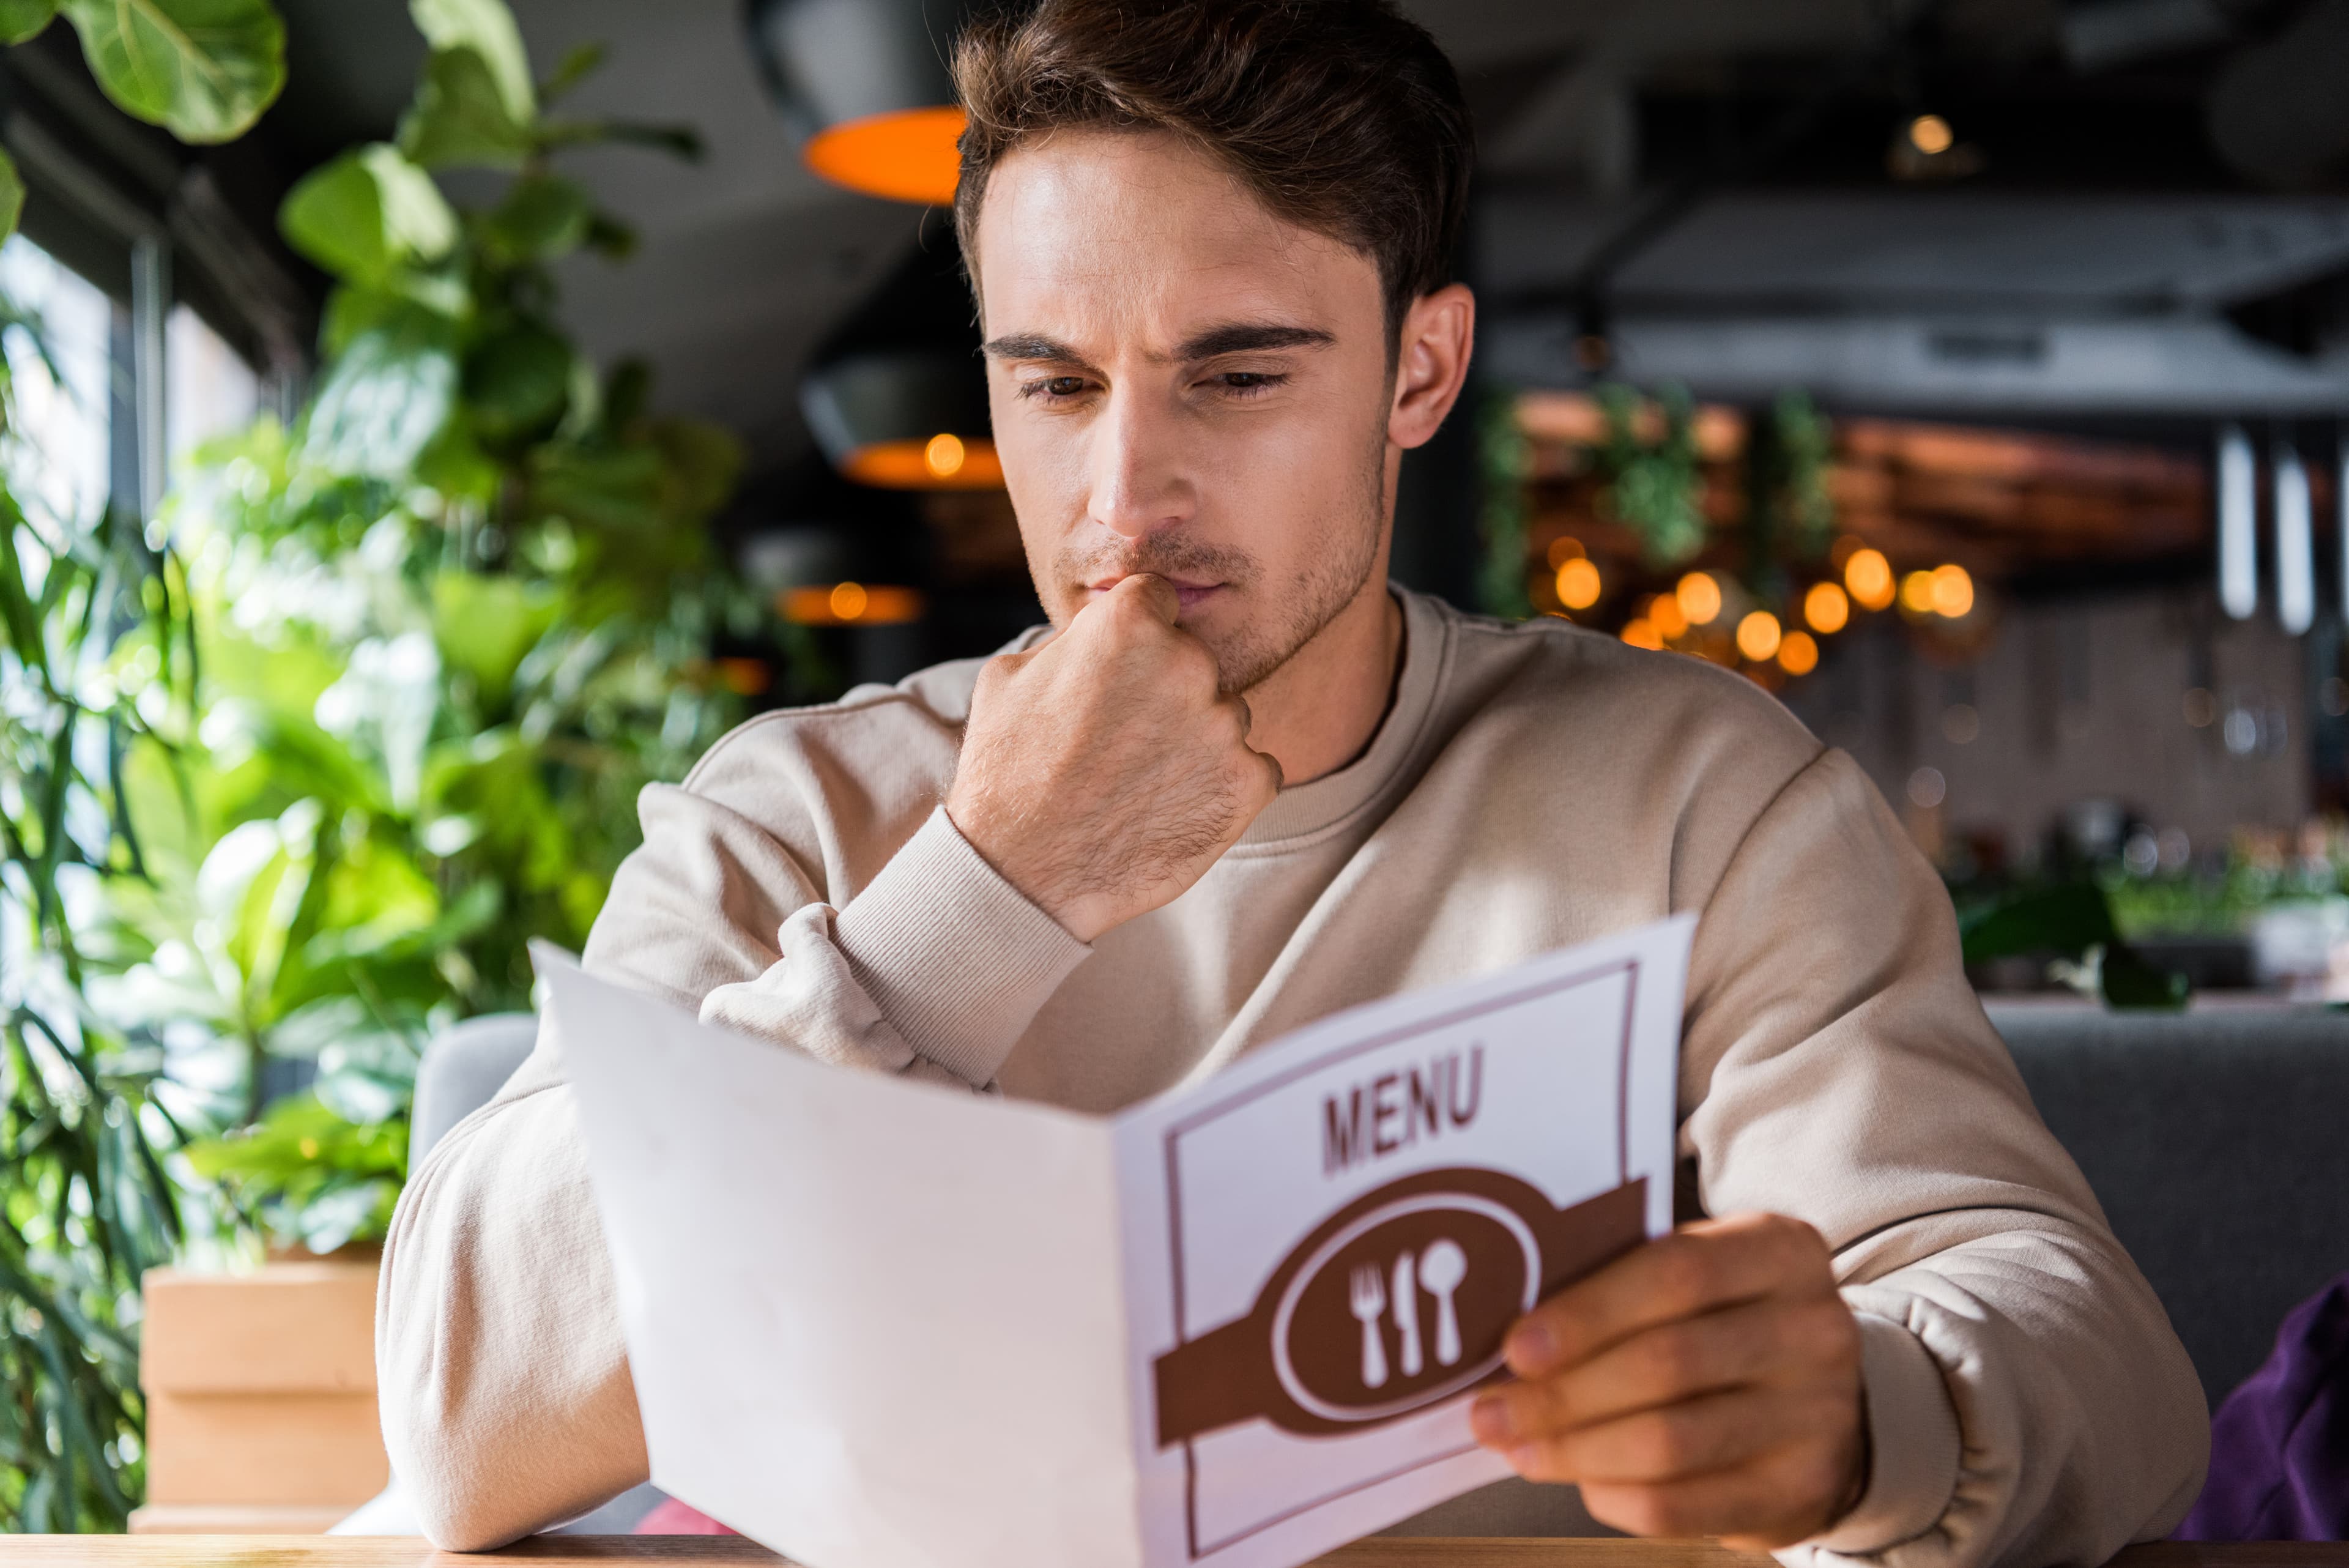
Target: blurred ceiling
{"points": [[1712, 184]]}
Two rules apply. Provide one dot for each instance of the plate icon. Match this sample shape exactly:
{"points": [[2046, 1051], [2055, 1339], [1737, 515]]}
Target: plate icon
{"points": [[1399, 1300]]}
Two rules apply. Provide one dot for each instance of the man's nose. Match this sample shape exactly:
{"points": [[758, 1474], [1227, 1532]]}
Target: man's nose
{"points": [[1139, 481]]}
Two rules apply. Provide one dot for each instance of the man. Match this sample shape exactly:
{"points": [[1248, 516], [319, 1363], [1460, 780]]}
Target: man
{"points": [[1241, 782]]}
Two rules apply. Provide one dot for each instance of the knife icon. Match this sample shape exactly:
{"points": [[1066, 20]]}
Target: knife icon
{"points": [[1406, 1315]]}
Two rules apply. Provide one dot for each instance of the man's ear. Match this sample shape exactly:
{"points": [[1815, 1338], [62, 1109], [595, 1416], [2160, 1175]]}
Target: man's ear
{"points": [[1438, 335]]}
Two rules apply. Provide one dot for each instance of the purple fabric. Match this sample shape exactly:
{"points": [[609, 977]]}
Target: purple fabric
{"points": [[2279, 1444]]}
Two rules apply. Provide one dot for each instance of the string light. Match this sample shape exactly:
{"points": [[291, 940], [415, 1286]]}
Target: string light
{"points": [[1642, 633], [1562, 549], [1577, 584], [943, 456], [1664, 612], [1758, 635], [1930, 135], [1700, 598], [1827, 608], [1868, 576], [1917, 593], [1797, 653], [1952, 593]]}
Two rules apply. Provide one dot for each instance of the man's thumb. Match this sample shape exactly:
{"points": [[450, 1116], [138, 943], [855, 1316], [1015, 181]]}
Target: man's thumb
{"points": [[1154, 591]]}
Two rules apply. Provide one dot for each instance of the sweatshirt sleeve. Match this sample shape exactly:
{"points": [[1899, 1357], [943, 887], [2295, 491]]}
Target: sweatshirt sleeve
{"points": [[2027, 1400], [506, 1400]]}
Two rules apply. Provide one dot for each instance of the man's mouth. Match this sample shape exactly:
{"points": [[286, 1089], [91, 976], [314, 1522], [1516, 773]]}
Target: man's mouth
{"points": [[1193, 594]]}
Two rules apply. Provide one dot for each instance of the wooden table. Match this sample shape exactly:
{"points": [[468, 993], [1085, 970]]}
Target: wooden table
{"points": [[726, 1552]]}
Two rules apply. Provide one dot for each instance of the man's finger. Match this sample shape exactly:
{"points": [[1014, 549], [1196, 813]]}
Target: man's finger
{"points": [[1698, 1269], [1154, 591], [1695, 1438], [1754, 1342], [1783, 1497]]}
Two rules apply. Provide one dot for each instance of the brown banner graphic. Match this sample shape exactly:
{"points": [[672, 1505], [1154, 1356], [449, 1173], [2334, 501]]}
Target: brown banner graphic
{"points": [[1399, 1300]]}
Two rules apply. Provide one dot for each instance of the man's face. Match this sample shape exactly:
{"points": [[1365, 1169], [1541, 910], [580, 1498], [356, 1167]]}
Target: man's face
{"points": [[1182, 384]]}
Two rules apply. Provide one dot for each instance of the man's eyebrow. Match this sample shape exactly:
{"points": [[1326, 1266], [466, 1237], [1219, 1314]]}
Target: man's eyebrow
{"points": [[1031, 346], [1233, 338], [1250, 337]]}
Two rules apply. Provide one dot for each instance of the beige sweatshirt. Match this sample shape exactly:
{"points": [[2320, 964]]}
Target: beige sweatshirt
{"points": [[1531, 786]]}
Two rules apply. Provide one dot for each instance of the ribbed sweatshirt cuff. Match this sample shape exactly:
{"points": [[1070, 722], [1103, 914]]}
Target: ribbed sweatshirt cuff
{"points": [[957, 959], [1913, 1438]]}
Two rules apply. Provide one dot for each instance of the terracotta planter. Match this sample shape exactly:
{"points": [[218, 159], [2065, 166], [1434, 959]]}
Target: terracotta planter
{"points": [[261, 1408]]}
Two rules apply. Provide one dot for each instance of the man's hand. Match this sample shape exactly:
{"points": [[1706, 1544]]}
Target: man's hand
{"points": [[1707, 1384], [1103, 773]]}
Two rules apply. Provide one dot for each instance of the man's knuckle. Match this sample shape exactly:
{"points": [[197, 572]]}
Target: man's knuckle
{"points": [[1684, 1274], [1673, 1357]]}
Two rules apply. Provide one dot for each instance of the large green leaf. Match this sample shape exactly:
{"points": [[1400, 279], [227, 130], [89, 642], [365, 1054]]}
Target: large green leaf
{"points": [[542, 219], [369, 214], [11, 196], [387, 396], [485, 624], [486, 28], [518, 381], [461, 117], [21, 20], [203, 69]]}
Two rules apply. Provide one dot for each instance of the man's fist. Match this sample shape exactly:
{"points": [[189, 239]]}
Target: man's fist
{"points": [[1103, 773], [1706, 1383]]}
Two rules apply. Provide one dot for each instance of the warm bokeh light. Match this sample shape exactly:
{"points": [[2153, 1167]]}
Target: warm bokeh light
{"points": [[1798, 654], [1577, 584], [1868, 576], [924, 465], [850, 604], [1826, 609], [1758, 635], [1917, 593], [1564, 548], [1930, 135], [1953, 592], [1640, 633], [943, 456], [1664, 613], [906, 156], [1700, 598]]}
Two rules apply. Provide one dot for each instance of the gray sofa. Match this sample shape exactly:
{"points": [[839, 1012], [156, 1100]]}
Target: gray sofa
{"points": [[2218, 1140]]}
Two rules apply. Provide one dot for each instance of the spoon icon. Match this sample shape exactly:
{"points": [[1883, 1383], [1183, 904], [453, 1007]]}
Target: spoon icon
{"points": [[1441, 1267]]}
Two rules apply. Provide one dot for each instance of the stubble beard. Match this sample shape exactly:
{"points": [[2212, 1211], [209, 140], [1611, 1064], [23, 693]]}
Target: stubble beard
{"points": [[1249, 655]]}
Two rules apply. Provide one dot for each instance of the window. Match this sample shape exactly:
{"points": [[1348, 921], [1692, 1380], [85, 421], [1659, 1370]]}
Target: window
{"points": [[208, 390], [56, 456]]}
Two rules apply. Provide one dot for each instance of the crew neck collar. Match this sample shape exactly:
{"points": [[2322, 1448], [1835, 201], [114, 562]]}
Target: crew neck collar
{"points": [[1307, 810]]}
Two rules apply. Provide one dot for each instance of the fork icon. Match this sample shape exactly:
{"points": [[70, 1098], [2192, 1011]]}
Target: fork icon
{"points": [[1366, 1301]]}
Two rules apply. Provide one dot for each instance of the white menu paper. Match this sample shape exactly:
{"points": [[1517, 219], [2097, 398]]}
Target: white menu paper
{"points": [[880, 1324]]}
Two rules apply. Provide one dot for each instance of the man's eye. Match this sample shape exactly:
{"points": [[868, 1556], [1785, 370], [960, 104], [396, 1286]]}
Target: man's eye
{"points": [[1247, 381], [1053, 388]]}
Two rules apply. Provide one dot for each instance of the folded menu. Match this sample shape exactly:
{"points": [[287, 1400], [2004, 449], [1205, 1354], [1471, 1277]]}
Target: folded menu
{"points": [[879, 1324]]}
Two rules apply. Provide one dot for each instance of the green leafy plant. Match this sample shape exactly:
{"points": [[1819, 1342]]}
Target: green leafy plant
{"points": [[1654, 486], [203, 69], [96, 654], [451, 621], [2072, 923], [1789, 514], [1506, 459]]}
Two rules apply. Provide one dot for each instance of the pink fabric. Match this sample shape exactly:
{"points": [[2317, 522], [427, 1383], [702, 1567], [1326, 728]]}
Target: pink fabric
{"points": [[671, 1517]]}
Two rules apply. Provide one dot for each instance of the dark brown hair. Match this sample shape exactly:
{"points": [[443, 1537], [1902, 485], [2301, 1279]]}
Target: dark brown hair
{"points": [[1343, 115]]}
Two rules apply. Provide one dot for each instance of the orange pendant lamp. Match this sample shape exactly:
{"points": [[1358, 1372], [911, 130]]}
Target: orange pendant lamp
{"points": [[897, 396], [863, 84]]}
